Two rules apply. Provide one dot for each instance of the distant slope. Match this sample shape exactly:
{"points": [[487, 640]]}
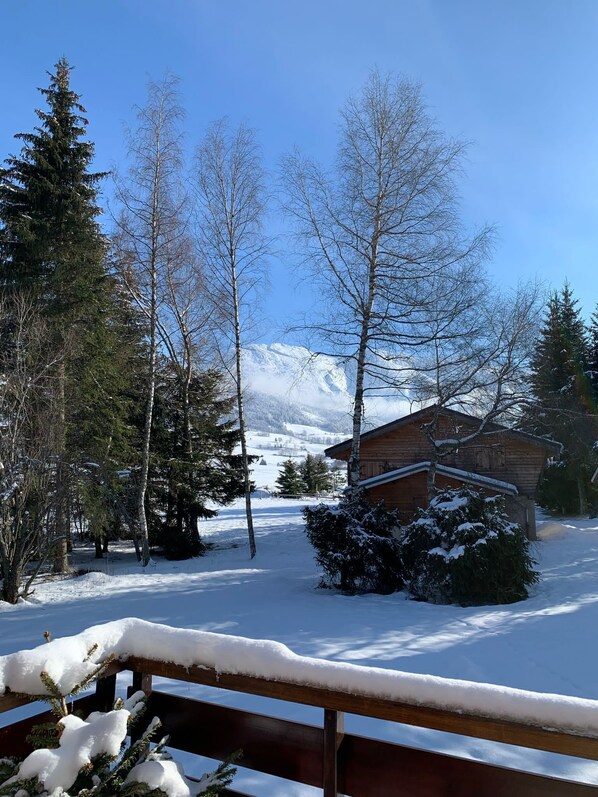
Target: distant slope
{"points": [[290, 385]]}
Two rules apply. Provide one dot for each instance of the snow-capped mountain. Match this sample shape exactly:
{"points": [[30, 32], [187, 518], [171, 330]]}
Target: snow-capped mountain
{"points": [[290, 385]]}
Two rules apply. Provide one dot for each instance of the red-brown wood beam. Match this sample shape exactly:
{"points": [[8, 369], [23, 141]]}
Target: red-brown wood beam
{"points": [[333, 736]]}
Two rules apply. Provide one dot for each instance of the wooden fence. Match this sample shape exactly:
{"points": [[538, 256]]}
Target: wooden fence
{"points": [[326, 757]]}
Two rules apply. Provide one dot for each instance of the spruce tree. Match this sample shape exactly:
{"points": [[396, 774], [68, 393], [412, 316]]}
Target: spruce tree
{"points": [[593, 356], [188, 476], [315, 474], [290, 481], [563, 406], [52, 247], [50, 239]]}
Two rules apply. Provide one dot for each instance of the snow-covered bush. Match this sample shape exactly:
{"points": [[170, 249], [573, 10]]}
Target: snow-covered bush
{"points": [[93, 757], [355, 545], [463, 549]]}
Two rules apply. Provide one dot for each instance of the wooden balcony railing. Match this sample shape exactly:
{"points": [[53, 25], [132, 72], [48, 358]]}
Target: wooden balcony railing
{"points": [[325, 757]]}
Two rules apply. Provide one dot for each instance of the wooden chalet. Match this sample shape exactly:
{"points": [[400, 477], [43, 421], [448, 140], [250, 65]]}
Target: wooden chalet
{"points": [[395, 460]]}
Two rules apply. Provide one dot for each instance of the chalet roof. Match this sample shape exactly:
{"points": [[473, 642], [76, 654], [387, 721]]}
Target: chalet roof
{"points": [[550, 445], [456, 473]]}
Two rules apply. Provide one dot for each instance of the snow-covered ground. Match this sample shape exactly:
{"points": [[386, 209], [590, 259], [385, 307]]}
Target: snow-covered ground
{"points": [[272, 449], [546, 643]]}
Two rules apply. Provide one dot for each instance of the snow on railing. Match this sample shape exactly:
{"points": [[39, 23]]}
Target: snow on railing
{"points": [[63, 659]]}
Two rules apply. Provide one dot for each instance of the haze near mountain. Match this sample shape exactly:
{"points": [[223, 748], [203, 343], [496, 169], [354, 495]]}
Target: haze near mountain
{"points": [[290, 385]]}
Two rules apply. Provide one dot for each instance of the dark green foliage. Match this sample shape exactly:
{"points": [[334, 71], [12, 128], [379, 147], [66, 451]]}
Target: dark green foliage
{"points": [[52, 247], [593, 355], [193, 463], [316, 475], [8, 768], [290, 481], [45, 734], [565, 393], [48, 205], [463, 549], [355, 545], [558, 490]]}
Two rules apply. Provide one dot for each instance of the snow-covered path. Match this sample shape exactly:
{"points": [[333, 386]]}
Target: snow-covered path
{"points": [[546, 643]]}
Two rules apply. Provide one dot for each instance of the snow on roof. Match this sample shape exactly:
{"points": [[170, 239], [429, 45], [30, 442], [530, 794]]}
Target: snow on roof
{"points": [[492, 427], [275, 662], [456, 473]]}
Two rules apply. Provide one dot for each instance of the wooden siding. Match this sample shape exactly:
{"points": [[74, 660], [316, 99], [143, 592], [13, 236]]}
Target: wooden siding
{"points": [[409, 494], [495, 455]]}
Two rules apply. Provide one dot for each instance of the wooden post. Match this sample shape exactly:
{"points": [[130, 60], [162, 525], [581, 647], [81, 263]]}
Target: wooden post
{"points": [[333, 736], [143, 682], [106, 692]]}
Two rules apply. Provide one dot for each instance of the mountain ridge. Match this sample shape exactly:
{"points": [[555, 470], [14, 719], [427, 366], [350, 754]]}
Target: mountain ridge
{"points": [[286, 384]]}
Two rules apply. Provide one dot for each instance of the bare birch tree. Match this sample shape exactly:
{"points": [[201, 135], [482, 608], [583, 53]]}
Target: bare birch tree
{"points": [[231, 203], [149, 229], [482, 369], [381, 233], [29, 440]]}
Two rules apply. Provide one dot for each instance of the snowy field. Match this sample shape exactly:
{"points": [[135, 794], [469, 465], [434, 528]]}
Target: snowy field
{"points": [[546, 643], [273, 449]]}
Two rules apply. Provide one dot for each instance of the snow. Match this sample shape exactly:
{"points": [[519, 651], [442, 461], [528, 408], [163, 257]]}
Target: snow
{"points": [[449, 506], [80, 742], [455, 553], [168, 776], [445, 470], [273, 661], [294, 385], [545, 644]]}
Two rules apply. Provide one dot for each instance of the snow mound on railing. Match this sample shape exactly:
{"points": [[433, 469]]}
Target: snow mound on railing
{"points": [[273, 661]]}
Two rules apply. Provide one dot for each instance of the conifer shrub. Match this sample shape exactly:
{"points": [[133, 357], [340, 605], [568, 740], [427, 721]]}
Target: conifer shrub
{"points": [[290, 481], [463, 549], [355, 545]]}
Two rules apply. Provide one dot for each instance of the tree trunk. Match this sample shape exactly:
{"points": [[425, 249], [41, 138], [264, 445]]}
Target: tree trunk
{"points": [[9, 572], [581, 491], [186, 515], [97, 538], [10, 586], [151, 377], [431, 480], [145, 454], [354, 469], [60, 553], [241, 411]]}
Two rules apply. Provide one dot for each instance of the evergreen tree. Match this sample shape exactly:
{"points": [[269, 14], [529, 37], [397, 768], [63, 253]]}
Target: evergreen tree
{"points": [[290, 481], [564, 407], [355, 544], [51, 246], [315, 474], [593, 356], [50, 239], [463, 549], [187, 475]]}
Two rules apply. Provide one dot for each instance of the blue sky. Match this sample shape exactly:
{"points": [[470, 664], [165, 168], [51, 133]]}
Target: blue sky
{"points": [[517, 78]]}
